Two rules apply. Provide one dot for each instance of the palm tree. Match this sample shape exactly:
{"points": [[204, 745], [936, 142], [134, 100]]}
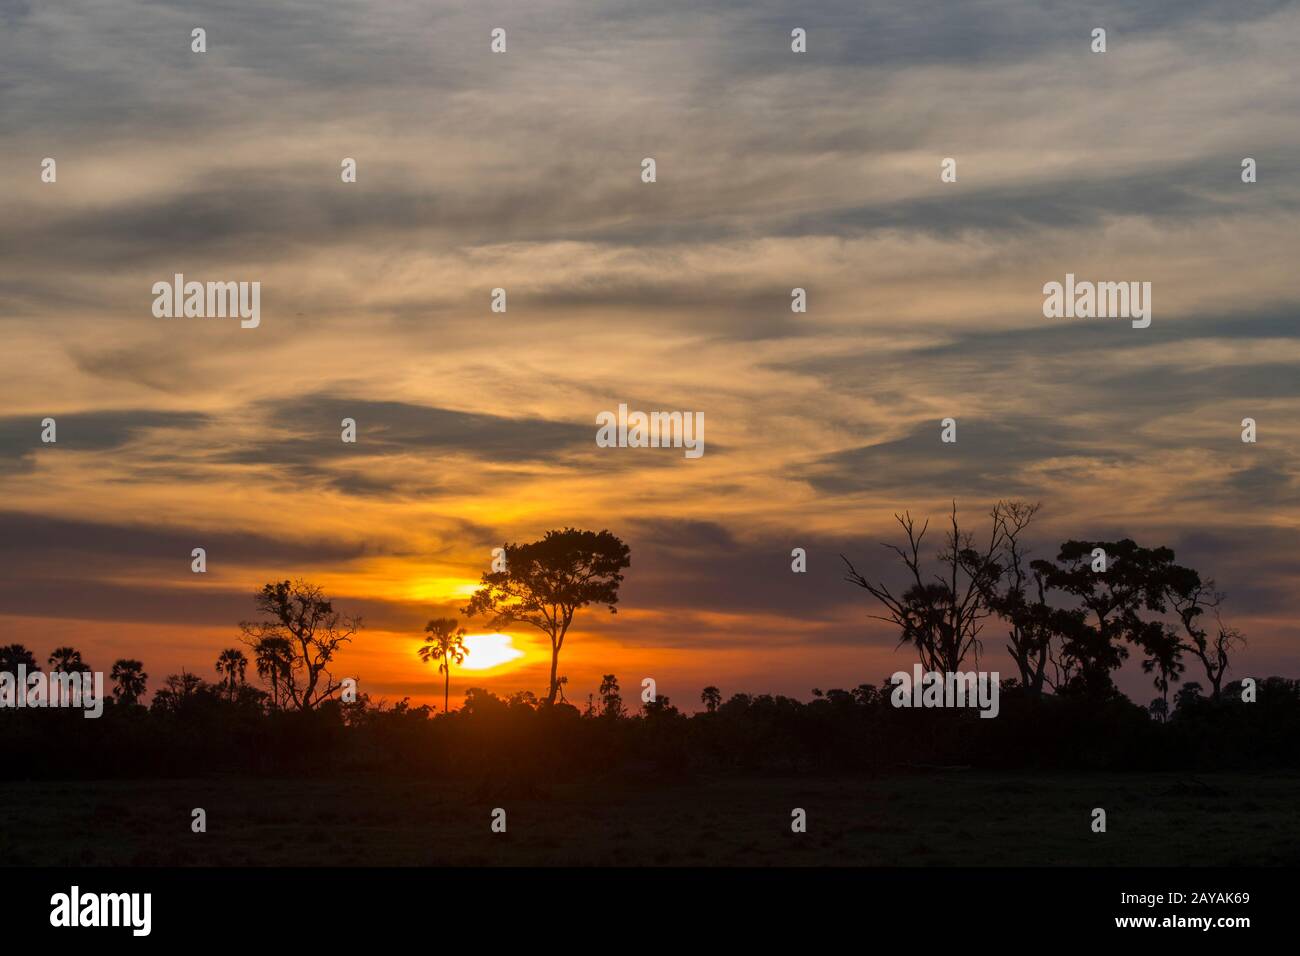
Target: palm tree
{"points": [[128, 681], [232, 663], [273, 657], [66, 660], [14, 654], [445, 643]]}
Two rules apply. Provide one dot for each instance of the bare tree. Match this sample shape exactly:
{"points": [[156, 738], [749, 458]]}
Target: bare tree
{"points": [[1019, 598], [302, 617], [941, 615], [1213, 652]]}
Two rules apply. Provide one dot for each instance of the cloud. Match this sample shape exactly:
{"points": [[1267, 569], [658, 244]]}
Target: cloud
{"points": [[88, 431], [401, 447], [29, 540], [686, 568], [988, 459]]}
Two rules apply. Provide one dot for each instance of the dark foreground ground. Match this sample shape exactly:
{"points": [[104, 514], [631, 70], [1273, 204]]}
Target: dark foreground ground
{"points": [[944, 818]]}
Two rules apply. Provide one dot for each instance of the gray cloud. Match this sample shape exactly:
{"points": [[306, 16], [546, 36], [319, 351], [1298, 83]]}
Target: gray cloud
{"points": [[20, 435], [27, 539], [387, 427], [700, 566], [301, 440], [987, 459]]}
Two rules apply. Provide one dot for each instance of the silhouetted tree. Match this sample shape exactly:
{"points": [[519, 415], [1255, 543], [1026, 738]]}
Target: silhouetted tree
{"points": [[179, 690], [445, 643], [231, 665], [522, 699], [661, 706], [1017, 595], [1163, 659], [481, 702], [546, 582], [1188, 697], [942, 618], [1136, 580], [314, 631], [611, 699], [1190, 603], [273, 658], [711, 698], [67, 660], [14, 654], [129, 680]]}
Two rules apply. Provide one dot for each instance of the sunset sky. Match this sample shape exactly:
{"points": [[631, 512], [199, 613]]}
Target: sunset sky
{"points": [[775, 170]]}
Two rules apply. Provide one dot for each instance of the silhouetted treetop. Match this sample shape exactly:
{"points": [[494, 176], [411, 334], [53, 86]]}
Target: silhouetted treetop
{"points": [[547, 582]]}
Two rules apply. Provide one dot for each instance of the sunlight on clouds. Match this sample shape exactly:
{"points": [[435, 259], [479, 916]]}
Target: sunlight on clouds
{"points": [[438, 590]]}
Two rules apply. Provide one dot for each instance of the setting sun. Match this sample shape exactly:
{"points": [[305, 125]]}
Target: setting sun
{"points": [[485, 651]]}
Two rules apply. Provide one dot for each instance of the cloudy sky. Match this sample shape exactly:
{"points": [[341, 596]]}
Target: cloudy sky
{"points": [[775, 170]]}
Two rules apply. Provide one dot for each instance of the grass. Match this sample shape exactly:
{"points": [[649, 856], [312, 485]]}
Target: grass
{"points": [[938, 819]]}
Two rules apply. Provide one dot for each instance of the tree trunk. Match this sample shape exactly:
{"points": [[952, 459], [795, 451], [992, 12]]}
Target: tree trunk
{"points": [[446, 689], [555, 664]]}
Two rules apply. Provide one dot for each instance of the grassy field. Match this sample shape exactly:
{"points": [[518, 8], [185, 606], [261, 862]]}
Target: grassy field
{"points": [[939, 819]]}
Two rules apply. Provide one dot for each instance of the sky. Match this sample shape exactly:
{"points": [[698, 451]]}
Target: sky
{"points": [[774, 170]]}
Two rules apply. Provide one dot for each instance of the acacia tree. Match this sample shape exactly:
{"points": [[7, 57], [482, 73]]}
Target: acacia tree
{"points": [[1136, 582], [547, 582], [445, 643], [941, 615], [312, 632]]}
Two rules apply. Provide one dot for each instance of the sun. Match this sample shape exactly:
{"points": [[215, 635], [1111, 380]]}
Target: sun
{"points": [[485, 651]]}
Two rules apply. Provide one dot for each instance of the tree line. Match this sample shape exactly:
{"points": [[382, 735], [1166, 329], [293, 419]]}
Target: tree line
{"points": [[1068, 625]]}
